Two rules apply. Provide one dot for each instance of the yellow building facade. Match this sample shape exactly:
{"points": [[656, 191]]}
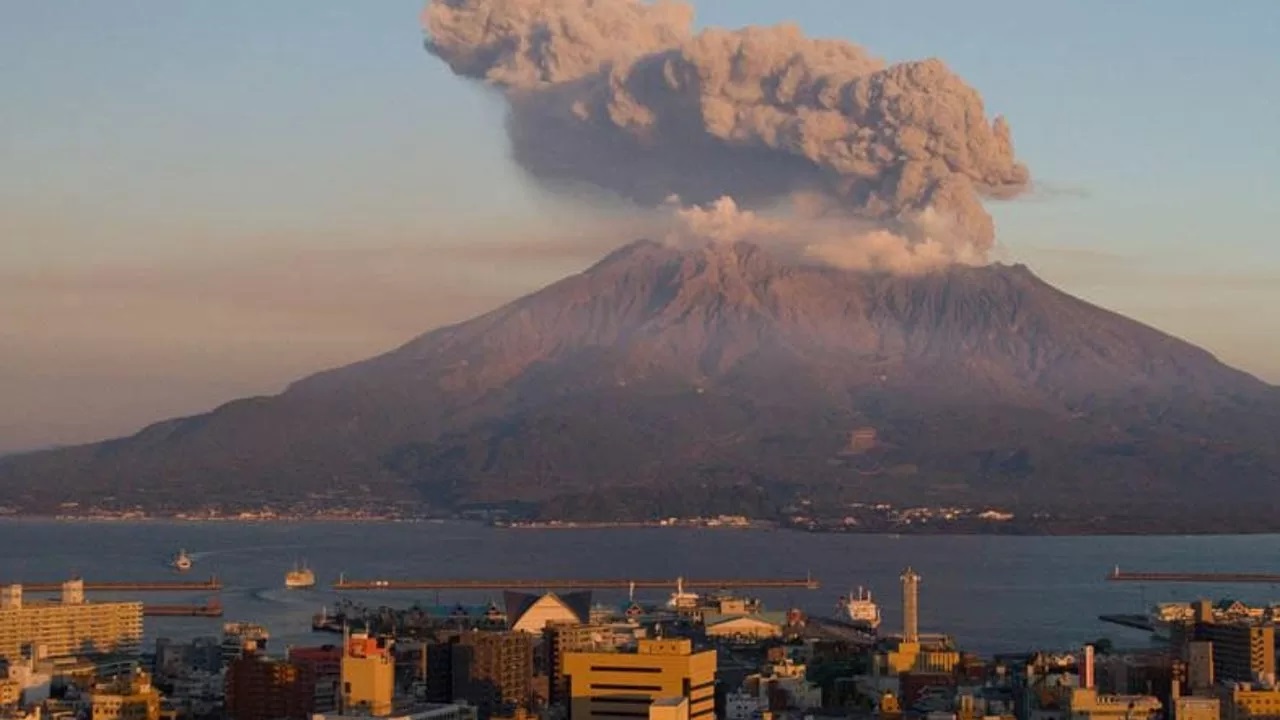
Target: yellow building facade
{"points": [[912, 657], [674, 708], [10, 692], [1088, 704], [609, 685], [70, 628], [1250, 702], [1196, 708], [128, 698], [368, 675]]}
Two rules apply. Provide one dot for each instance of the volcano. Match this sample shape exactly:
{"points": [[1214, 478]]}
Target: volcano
{"points": [[720, 379]]}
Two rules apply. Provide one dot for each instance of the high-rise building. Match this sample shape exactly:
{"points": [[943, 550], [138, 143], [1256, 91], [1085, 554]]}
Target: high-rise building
{"points": [[319, 675], [493, 671], [202, 654], [368, 675], [559, 639], [72, 627], [1240, 652], [438, 671], [610, 684], [672, 708], [260, 688], [130, 697], [1200, 677]]}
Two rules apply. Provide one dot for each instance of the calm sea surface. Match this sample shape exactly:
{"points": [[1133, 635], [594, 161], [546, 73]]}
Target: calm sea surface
{"points": [[992, 593]]}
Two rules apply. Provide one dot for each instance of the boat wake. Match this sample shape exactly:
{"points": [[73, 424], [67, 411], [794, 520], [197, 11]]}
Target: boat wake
{"points": [[281, 596], [256, 549]]}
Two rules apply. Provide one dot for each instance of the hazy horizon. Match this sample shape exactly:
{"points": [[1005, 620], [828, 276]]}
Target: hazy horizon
{"points": [[210, 202]]}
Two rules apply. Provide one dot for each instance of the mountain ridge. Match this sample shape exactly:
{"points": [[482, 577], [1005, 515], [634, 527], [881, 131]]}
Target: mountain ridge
{"points": [[665, 371]]}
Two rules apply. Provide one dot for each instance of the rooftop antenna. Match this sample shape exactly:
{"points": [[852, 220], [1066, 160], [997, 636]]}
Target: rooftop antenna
{"points": [[631, 591]]}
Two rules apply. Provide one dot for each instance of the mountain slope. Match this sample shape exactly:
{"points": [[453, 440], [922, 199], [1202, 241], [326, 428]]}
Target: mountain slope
{"points": [[718, 377]]}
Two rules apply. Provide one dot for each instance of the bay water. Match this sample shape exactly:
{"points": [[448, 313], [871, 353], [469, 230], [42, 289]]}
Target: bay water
{"points": [[992, 593]]}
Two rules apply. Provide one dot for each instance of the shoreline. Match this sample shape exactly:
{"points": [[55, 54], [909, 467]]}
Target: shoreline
{"points": [[758, 525]]}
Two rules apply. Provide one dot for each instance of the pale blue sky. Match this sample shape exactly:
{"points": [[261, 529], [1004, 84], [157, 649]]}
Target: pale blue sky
{"points": [[168, 166]]}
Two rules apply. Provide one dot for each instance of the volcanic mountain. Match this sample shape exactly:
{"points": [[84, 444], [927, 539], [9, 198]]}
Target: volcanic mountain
{"points": [[666, 381]]}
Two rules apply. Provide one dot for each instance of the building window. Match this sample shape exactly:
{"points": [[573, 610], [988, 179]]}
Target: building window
{"points": [[620, 686]]}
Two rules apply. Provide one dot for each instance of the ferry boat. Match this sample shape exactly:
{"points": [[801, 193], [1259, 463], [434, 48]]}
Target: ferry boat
{"points": [[300, 577], [726, 603], [181, 562], [861, 609], [681, 600]]}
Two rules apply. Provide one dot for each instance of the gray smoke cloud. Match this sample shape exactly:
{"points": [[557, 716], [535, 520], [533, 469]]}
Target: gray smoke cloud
{"points": [[623, 96]]}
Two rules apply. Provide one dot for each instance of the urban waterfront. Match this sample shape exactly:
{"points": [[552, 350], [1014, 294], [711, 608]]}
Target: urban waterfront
{"points": [[991, 593]]}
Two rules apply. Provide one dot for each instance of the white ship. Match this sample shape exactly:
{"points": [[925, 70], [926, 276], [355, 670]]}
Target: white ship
{"points": [[300, 577], [681, 600], [181, 562], [861, 609]]}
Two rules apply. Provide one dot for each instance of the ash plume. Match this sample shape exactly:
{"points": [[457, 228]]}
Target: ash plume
{"points": [[841, 242], [623, 96]]}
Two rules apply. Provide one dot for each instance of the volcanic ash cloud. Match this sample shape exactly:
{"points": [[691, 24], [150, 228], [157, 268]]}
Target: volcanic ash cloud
{"points": [[622, 95]]}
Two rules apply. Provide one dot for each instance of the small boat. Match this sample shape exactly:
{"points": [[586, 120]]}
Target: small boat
{"points": [[681, 600], [181, 562], [324, 622], [300, 577], [861, 609]]}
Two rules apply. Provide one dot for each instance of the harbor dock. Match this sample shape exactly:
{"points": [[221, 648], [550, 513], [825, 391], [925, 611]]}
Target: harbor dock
{"points": [[806, 583], [212, 584], [1118, 575], [212, 609], [1136, 622]]}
